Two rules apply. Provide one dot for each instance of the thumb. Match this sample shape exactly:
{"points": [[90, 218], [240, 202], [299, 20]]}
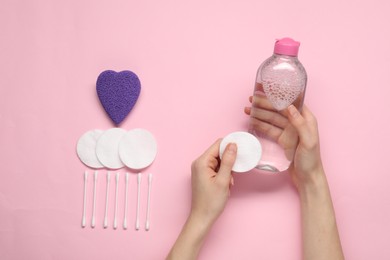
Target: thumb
{"points": [[227, 162], [302, 122]]}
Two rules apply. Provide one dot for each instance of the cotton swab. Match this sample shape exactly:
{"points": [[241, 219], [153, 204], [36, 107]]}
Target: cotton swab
{"points": [[147, 225], [83, 222], [105, 224], [139, 177], [126, 192], [116, 199], [93, 222]]}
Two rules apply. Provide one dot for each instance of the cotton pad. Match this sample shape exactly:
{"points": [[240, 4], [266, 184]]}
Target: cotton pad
{"points": [[248, 150], [107, 148], [137, 149], [86, 148]]}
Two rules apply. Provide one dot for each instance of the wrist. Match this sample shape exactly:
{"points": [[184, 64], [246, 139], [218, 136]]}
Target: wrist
{"points": [[199, 222], [314, 184], [190, 240], [195, 230]]}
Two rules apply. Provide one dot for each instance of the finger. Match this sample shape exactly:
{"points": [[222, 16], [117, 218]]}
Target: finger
{"points": [[257, 94], [305, 124], [265, 128], [271, 117], [210, 158], [261, 101], [231, 184], [231, 181], [311, 121], [213, 150], [227, 162], [308, 115], [247, 110]]}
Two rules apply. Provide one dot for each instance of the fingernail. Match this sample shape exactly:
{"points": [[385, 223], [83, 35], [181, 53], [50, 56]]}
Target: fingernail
{"points": [[232, 148], [232, 181], [259, 93]]}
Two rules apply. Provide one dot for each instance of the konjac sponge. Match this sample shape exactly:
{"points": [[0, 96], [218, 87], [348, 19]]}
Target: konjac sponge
{"points": [[118, 92]]}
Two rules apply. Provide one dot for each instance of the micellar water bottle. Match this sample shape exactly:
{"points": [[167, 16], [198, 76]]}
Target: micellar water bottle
{"points": [[280, 82]]}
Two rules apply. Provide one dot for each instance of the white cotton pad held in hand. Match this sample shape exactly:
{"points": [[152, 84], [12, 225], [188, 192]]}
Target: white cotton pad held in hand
{"points": [[86, 149], [248, 150], [107, 148], [138, 149]]}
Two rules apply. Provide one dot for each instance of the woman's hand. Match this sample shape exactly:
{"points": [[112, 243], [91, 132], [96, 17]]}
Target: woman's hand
{"points": [[211, 181], [265, 119], [296, 132]]}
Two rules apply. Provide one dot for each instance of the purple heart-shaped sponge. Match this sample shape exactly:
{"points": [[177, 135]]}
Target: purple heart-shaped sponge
{"points": [[118, 92]]}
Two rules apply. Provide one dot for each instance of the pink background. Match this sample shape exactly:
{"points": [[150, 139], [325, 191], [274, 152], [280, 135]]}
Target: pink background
{"points": [[197, 62]]}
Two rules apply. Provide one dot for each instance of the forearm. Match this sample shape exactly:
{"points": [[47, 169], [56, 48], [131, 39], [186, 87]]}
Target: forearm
{"points": [[319, 228], [190, 240]]}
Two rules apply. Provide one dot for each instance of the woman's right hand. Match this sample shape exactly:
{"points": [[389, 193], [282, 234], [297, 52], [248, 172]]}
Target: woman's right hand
{"points": [[307, 164], [296, 132]]}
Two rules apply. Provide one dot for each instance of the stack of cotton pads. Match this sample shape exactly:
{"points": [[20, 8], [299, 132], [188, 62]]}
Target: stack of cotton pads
{"points": [[116, 148]]}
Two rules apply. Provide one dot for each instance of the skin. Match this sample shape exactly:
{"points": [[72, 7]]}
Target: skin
{"points": [[212, 178]]}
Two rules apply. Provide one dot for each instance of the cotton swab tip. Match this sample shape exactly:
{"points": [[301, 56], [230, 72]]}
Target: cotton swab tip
{"points": [[115, 224], [83, 223], [147, 226]]}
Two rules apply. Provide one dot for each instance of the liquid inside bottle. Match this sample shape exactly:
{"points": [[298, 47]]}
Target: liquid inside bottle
{"points": [[280, 82]]}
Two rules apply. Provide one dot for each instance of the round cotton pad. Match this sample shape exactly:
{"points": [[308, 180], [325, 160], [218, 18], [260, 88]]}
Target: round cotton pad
{"points": [[86, 148], [137, 149], [248, 150], [107, 148]]}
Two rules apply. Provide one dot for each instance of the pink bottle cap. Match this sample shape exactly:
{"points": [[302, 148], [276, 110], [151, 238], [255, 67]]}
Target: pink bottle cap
{"points": [[286, 46]]}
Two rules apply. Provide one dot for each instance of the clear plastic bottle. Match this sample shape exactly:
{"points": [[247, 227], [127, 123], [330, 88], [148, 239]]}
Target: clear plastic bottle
{"points": [[280, 82]]}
